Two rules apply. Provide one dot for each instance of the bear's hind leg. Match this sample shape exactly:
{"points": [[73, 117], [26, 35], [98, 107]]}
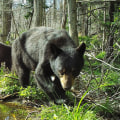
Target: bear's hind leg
{"points": [[23, 73], [24, 77], [8, 65]]}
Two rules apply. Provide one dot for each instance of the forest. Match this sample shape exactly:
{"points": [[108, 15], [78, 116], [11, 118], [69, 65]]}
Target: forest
{"points": [[95, 94]]}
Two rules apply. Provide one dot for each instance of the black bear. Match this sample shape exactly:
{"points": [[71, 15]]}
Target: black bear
{"points": [[5, 55], [54, 57]]}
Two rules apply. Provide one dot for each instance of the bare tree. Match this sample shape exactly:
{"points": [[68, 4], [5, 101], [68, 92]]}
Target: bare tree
{"points": [[72, 15], [38, 13], [64, 16], [54, 10], [109, 49], [104, 33], [6, 18]]}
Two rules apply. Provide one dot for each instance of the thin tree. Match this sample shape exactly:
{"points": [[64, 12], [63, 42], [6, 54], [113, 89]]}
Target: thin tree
{"points": [[6, 18], [109, 50], [72, 16], [64, 16], [38, 13], [54, 10]]}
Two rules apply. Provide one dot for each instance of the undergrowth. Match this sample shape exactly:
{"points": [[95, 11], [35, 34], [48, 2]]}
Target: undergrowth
{"points": [[102, 89]]}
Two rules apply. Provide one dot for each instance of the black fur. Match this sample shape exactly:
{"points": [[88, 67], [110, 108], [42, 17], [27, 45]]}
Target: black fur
{"points": [[5, 55], [46, 51]]}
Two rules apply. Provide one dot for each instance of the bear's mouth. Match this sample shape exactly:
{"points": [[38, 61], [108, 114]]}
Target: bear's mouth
{"points": [[66, 81]]}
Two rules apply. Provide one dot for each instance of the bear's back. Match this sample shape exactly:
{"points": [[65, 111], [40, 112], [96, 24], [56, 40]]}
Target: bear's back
{"points": [[39, 39]]}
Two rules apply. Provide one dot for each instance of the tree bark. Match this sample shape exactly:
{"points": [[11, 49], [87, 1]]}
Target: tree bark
{"points": [[104, 33], [109, 50], [54, 11], [38, 13], [64, 17], [72, 15], [6, 19]]}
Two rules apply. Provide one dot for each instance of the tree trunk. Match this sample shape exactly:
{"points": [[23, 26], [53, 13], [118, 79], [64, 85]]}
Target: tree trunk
{"points": [[104, 33], [109, 50], [38, 13], [64, 17], [72, 14], [86, 22], [83, 19], [44, 14], [6, 18], [54, 10]]}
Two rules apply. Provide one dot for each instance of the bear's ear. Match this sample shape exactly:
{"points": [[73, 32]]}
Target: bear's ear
{"points": [[81, 48], [55, 51]]}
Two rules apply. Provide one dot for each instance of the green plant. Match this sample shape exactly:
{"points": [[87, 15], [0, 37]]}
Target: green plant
{"points": [[60, 112], [111, 77], [104, 108], [101, 55], [8, 83], [11, 89], [63, 112], [32, 93]]}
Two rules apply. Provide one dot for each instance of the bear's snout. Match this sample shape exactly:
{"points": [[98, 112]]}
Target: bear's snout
{"points": [[66, 81]]}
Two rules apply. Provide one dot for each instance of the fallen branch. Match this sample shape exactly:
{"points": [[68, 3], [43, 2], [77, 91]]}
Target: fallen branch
{"points": [[10, 96], [89, 55]]}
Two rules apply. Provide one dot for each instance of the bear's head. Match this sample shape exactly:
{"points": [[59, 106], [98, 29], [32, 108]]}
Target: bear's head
{"points": [[67, 64]]}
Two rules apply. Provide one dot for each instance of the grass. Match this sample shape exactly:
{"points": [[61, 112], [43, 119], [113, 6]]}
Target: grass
{"points": [[64, 112], [80, 111], [10, 85]]}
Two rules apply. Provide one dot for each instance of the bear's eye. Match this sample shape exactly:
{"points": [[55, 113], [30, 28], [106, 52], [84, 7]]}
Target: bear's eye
{"points": [[62, 72]]}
